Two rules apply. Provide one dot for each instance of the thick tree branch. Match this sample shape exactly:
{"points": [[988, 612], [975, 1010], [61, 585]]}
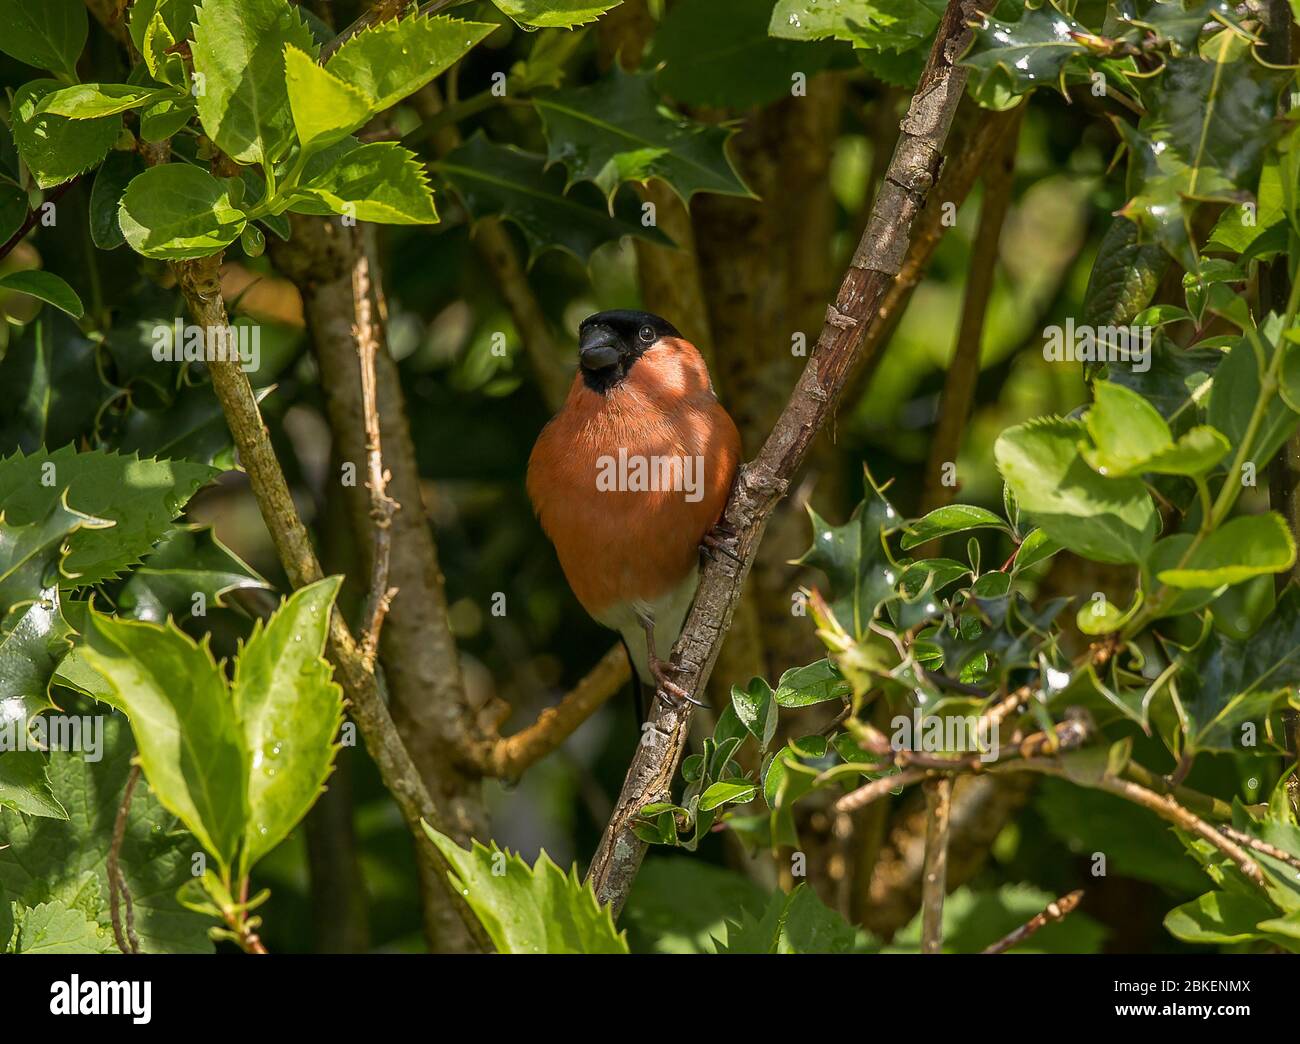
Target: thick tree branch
{"points": [[200, 283], [763, 482]]}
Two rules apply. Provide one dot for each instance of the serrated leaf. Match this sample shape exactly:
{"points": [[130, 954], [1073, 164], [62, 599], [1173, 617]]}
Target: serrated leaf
{"points": [[44, 860], [794, 923], [88, 101], [177, 211], [550, 14], [1106, 519], [499, 180], [855, 560], [33, 553], [47, 287], [290, 710], [618, 130], [177, 15], [191, 747], [239, 53], [140, 498], [1229, 681], [1037, 50], [1208, 124], [381, 182], [537, 909], [394, 59], [48, 34], [880, 25], [188, 561], [719, 53], [55, 928], [55, 148], [30, 648], [325, 108]]}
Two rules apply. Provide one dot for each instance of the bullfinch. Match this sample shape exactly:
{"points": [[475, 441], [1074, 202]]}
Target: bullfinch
{"points": [[629, 481]]}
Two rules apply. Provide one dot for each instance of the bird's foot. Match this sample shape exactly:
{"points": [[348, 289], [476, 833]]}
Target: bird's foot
{"points": [[672, 693], [721, 539]]}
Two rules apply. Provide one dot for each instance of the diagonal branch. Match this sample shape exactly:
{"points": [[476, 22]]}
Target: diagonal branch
{"points": [[763, 482], [201, 286], [1057, 910]]}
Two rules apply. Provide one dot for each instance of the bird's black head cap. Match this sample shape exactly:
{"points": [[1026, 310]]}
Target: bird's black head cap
{"points": [[609, 343]]}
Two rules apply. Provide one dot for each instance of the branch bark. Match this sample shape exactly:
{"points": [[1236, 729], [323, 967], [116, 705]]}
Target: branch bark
{"points": [[762, 483], [934, 881], [1057, 910], [201, 286]]}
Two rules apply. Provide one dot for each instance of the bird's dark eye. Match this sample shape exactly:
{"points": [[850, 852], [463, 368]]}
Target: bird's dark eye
{"points": [[647, 334]]}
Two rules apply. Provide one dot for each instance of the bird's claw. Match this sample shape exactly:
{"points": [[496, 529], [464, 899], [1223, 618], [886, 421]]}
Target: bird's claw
{"points": [[721, 538], [668, 690]]}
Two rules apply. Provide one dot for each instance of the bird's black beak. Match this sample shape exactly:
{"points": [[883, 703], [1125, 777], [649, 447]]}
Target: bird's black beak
{"points": [[598, 348]]}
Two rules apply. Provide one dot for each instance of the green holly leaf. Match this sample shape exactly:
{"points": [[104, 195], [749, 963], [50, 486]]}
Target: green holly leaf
{"points": [[1105, 519], [381, 182], [188, 561], [177, 211], [33, 553], [1208, 124], [500, 180], [47, 287], [55, 148], [879, 25], [551, 14], [1230, 681], [191, 746], [48, 34], [719, 53], [1178, 22], [30, 648], [239, 56], [290, 710], [66, 862], [537, 909], [140, 498], [618, 130], [1008, 59], [394, 59], [855, 560]]}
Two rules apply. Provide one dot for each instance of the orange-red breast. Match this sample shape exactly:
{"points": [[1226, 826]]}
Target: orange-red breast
{"points": [[629, 478]]}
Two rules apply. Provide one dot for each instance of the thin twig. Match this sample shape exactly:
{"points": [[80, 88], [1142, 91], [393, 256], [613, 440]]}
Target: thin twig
{"points": [[507, 757], [878, 788], [33, 215], [118, 890], [762, 483], [1057, 910], [382, 506], [934, 879]]}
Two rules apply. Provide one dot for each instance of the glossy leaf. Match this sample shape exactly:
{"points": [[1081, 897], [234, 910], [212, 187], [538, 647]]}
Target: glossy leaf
{"points": [[537, 909], [325, 107], [188, 561], [178, 211], [1037, 50], [55, 148], [48, 34], [953, 518], [87, 101], [880, 25], [381, 182], [618, 130], [1241, 548], [290, 710], [543, 14]]}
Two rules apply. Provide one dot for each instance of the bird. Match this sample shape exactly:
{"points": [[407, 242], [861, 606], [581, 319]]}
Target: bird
{"points": [[629, 481]]}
